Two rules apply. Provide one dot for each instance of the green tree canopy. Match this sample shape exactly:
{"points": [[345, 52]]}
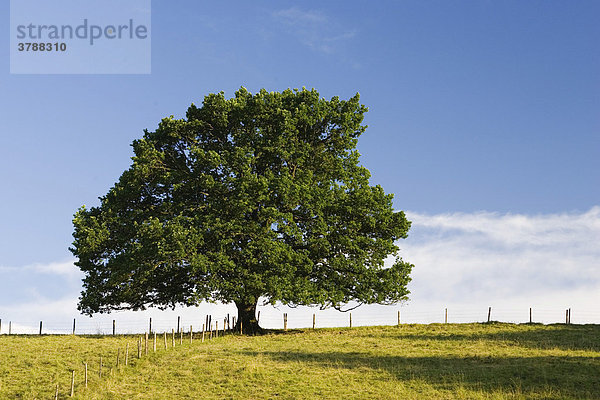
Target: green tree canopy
{"points": [[260, 196]]}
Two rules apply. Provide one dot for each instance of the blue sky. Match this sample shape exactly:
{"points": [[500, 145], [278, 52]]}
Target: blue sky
{"points": [[476, 109]]}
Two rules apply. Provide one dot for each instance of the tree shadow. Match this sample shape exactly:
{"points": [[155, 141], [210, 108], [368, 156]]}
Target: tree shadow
{"points": [[556, 377], [544, 337]]}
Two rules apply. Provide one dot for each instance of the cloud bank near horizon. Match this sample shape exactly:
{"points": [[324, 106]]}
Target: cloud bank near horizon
{"points": [[469, 258], [462, 260]]}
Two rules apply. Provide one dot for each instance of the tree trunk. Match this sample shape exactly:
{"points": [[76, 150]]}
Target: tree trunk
{"points": [[247, 317]]}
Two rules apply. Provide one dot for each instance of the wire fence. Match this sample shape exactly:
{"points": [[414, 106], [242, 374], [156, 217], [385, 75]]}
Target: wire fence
{"points": [[166, 331], [274, 318]]}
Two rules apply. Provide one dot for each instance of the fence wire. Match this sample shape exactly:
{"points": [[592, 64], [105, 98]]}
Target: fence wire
{"points": [[272, 318]]}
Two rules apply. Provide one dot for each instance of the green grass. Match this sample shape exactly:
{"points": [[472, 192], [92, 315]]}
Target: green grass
{"points": [[453, 361]]}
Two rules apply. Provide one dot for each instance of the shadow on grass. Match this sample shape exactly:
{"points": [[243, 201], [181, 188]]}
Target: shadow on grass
{"points": [[564, 337], [554, 377]]}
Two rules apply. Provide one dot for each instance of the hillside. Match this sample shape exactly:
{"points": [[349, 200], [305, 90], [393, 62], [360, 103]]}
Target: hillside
{"points": [[464, 361]]}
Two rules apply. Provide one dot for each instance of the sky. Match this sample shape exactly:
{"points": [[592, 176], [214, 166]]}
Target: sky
{"points": [[483, 121]]}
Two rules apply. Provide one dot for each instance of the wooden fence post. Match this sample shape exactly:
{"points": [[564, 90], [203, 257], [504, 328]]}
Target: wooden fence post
{"points": [[258, 317], [9, 327], [146, 343], [567, 316], [114, 327], [285, 322], [165, 336], [150, 327], [154, 343], [191, 335], [398, 317], [40, 327], [350, 320], [85, 377], [181, 336], [530, 316], [73, 326], [73, 383], [178, 321], [216, 329], [446, 317], [228, 324], [224, 325], [139, 344], [314, 321], [127, 354], [202, 333], [489, 313], [173, 338]]}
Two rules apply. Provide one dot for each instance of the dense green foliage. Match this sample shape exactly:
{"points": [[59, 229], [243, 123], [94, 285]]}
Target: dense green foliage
{"points": [[464, 361], [257, 196]]}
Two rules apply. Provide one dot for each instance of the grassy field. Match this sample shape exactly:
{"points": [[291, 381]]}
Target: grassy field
{"points": [[463, 361]]}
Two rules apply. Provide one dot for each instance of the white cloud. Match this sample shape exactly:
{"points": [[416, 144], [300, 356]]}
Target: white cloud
{"points": [[512, 259], [313, 28], [295, 16], [64, 268]]}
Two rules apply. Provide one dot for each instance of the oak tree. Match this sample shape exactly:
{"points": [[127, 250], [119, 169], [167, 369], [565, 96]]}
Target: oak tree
{"points": [[260, 197]]}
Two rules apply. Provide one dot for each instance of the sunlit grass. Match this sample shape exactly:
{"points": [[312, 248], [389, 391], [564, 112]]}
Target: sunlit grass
{"points": [[462, 361]]}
